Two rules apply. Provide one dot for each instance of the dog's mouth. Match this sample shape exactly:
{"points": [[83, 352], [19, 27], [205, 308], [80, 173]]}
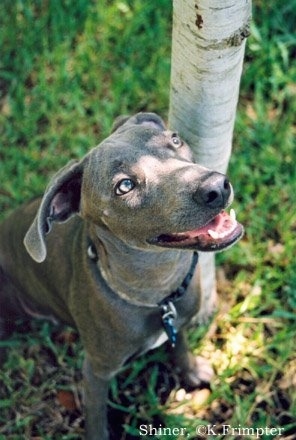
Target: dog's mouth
{"points": [[221, 232]]}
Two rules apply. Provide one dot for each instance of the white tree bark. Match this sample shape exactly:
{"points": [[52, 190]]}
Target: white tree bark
{"points": [[208, 46]]}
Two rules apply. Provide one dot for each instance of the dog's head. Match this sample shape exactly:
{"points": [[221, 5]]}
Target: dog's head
{"points": [[142, 186]]}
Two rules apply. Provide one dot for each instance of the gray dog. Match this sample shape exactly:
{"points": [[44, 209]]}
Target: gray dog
{"points": [[111, 250]]}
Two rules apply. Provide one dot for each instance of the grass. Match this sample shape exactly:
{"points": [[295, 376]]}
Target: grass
{"points": [[66, 71]]}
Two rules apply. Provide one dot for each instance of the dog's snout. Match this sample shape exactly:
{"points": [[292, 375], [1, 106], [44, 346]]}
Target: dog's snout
{"points": [[214, 192]]}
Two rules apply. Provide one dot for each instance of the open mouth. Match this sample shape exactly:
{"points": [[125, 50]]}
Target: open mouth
{"points": [[221, 232]]}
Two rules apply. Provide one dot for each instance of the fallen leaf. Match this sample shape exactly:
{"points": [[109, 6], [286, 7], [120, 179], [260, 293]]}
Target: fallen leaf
{"points": [[67, 399]]}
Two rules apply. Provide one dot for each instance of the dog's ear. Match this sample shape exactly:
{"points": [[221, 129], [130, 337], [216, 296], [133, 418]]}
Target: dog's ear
{"points": [[151, 120], [119, 121], [61, 200]]}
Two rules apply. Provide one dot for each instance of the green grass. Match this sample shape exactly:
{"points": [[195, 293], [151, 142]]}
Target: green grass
{"points": [[67, 69]]}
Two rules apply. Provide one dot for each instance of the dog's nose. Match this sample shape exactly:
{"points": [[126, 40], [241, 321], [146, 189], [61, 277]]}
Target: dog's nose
{"points": [[214, 191]]}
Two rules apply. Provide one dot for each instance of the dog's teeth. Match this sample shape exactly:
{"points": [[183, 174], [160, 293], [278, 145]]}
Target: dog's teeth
{"points": [[213, 234], [232, 215]]}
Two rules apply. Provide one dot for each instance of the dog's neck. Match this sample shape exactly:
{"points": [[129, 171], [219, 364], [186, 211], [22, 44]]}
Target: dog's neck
{"points": [[126, 269]]}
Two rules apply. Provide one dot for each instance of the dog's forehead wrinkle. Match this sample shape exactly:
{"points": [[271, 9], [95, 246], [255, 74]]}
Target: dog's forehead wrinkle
{"points": [[162, 138], [150, 167], [154, 166], [126, 147]]}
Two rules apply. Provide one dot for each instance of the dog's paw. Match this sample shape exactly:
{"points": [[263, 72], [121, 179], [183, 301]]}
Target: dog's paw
{"points": [[200, 373]]}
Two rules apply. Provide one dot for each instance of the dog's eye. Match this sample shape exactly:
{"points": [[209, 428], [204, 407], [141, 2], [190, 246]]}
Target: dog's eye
{"points": [[176, 140], [124, 186]]}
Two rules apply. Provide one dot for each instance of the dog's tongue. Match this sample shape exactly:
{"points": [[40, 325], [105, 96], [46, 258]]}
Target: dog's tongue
{"points": [[218, 228], [221, 232]]}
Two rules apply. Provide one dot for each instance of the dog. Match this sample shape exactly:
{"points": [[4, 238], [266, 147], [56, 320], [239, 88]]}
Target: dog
{"points": [[111, 249]]}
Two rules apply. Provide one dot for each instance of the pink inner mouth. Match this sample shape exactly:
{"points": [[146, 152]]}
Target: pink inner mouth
{"points": [[222, 231]]}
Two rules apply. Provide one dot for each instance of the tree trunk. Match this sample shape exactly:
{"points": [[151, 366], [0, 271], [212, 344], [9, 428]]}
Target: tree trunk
{"points": [[207, 57]]}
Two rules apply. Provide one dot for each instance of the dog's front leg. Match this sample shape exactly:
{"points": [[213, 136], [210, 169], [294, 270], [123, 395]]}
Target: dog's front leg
{"points": [[95, 396], [194, 370]]}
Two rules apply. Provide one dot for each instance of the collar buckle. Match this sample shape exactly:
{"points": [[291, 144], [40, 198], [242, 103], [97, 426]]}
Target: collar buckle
{"points": [[168, 316]]}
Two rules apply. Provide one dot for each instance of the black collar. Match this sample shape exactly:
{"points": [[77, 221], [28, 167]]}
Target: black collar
{"points": [[178, 293], [167, 308]]}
